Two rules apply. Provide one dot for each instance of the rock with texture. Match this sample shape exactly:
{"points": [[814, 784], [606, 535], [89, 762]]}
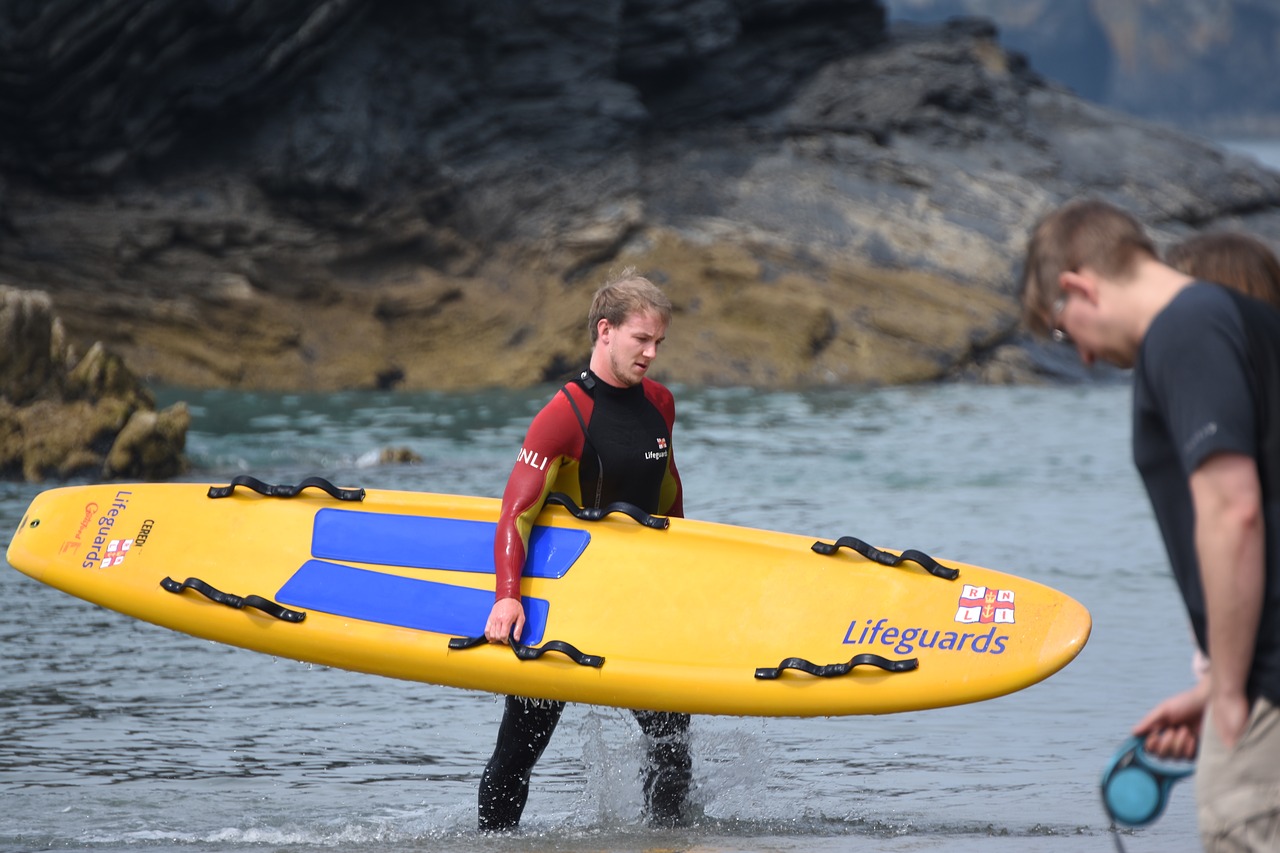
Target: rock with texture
{"points": [[383, 193], [65, 417]]}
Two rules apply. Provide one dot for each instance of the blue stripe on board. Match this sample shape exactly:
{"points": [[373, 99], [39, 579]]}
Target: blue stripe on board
{"points": [[406, 602], [429, 542]]}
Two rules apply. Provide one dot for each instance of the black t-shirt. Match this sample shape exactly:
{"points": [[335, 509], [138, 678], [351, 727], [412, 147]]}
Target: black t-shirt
{"points": [[1207, 381]]}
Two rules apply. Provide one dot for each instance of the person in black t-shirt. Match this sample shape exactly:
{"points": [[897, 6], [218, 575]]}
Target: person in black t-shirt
{"points": [[1235, 259], [1206, 439]]}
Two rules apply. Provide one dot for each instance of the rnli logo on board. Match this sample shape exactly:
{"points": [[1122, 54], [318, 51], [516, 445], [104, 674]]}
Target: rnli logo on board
{"points": [[116, 551], [662, 443], [983, 605]]}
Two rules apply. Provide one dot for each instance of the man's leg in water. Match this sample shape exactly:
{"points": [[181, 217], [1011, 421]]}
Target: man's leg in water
{"points": [[527, 725], [669, 769]]}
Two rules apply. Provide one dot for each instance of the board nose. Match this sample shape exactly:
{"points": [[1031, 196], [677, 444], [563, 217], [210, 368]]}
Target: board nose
{"points": [[19, 552], [1069, 632]]}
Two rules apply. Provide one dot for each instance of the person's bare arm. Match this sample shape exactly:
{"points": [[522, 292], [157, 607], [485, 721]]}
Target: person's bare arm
{"points": [[1230, 546]]}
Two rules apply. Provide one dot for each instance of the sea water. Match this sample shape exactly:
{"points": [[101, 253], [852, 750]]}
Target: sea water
{"points": [[118, 735]]}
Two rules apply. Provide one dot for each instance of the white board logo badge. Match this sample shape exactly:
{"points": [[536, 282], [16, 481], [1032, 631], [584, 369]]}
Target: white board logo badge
{"points": [[982, 605], [117, 550]]}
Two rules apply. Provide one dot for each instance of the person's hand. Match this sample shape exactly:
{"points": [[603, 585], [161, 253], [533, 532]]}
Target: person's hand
{"points": [[1172, 728], [506, 614]]}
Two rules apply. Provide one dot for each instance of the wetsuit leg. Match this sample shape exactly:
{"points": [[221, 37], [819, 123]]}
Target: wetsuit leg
{"points": [[527, 725], [669, 769]]}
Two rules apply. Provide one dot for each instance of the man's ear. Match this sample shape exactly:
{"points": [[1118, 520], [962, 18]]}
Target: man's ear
{"points": [[603, 329], [1082, 283]]}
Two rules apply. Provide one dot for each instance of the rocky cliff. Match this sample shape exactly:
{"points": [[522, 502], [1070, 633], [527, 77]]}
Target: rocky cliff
{"points": [[1208, 65], [358, 193]]}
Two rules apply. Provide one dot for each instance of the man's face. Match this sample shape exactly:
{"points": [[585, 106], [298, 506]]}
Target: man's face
{"points": [[1081, 317], [631, 347]]}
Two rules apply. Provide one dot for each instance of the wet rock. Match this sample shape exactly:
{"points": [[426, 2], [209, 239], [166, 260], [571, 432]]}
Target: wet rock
{"points": [[31, 362], [398, 456], [150, 445], [93, 420], [102, 374]]}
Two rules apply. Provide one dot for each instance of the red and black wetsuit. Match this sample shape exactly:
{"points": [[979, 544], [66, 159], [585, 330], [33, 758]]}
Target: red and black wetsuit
{"points": [[599, 444]]}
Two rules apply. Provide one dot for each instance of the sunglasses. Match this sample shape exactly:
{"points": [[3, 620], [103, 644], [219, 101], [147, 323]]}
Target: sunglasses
{"points": [[1059, 334]]}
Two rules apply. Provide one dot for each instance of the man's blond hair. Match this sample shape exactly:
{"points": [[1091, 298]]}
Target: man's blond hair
{"points": [[624, 295]]}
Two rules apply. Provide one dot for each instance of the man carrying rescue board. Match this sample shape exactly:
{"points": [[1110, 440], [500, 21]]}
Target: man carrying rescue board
{"points": [[604, 437]]}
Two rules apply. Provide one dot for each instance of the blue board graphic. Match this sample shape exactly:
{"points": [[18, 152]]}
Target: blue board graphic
{"points": [[406, 602], [428, 542]]}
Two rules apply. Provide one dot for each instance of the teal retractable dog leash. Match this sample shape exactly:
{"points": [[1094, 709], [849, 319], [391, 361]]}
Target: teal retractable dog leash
{"points": [[1136, 786]]}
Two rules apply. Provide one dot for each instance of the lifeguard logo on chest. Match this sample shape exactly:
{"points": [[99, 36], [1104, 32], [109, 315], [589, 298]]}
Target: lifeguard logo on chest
{"points": [[660, 453]]}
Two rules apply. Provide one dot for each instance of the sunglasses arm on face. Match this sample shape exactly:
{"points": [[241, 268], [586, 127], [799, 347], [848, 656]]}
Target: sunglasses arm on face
{"points": [[1056, 332]]}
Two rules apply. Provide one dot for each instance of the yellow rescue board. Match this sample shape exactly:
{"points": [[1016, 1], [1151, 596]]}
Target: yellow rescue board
{"points": [[697, 617]]}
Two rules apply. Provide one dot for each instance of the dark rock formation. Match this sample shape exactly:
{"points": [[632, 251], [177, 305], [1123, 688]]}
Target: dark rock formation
{"points": [[1204, 64], [63, 417], [383, 193], [91, 87]]}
